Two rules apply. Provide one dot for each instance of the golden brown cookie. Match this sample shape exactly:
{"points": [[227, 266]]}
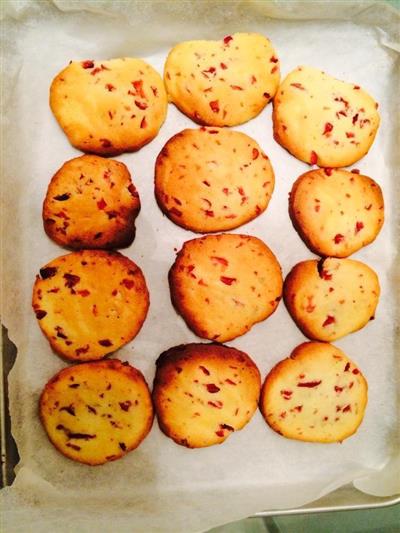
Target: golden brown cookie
{"points": [[91, 202], [224, 284], [323, 121], [96, 412], [336, 212], [90, 303], [317, 395], [212, 179], [109, 107], [331, 298], [204, 392], [222, 83]]}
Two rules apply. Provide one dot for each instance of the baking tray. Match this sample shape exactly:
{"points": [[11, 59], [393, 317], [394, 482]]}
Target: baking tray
{"points": [[345, 498]]}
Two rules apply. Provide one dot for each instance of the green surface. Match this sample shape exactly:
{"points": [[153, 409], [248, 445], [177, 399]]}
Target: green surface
{"points": [[385, 520]]}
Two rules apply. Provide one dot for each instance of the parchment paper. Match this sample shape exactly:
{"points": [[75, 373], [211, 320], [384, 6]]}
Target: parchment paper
{"points": [[162, 486]]}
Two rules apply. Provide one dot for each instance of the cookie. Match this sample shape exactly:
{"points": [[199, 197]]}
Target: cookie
{"points": [[317, 395], [212, 179], [91, 202], [224, 284], [204, 392], [90, 303], [323, 121], [222, 83], [96, 412], [336, 212], [109, 107], [331, 298]]}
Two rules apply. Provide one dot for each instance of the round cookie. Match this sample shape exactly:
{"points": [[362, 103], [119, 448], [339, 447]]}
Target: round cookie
{"points": [[224, 284], [336, 212], [91, 202], [316, 395], [212, 179], [222, 83], [323, 121], [96, 412], [331, 298], [90, 303], [204, 392], [109, 107]]}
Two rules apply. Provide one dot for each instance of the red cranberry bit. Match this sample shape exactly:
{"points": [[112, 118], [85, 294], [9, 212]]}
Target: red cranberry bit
{"points": [[208, 212], [125, 405], [87, 64], [227, 40], [105, 342], [359, 226], [96, 71], [216, 404], [286, 394], [47, 272], [204, 370], [40, 313], [84, 293], [346, 409], [133, 191], [230, 382], [338, 238], [338, 389], [313, 158], [347, 367], [226, 280], [236, 88], [140, 105], [62, 197], [83, 349], [274, 59], [71, 280], [355, 171], [105, 143], [225, 426], [328, 321], [349, 134], [355, 118], [356, 87], [101, 204], [69, 409], [143, 123], [298, 408], [328, 128], [267, 95], [355, 371], [138, 85], [223, 66], [255, 153], [175, 211], [212, 388], [128, 283], [253, 79], [220, 433], [110, 87], [309, 384], [298, 86], [214, 106], [211, 71], [328, 171]]}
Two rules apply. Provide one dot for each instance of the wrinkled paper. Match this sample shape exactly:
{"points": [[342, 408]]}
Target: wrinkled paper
{"points": [[162, 487]]}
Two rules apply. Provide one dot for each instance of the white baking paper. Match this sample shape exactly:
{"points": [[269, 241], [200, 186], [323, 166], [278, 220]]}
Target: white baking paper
{"points": [[162, 487]]}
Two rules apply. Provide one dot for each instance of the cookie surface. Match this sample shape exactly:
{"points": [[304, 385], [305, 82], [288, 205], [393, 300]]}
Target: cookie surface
{"points": [[212, 179], [109, 107], [324, 121], [90, 303], [204, 392], [224, 284], [331, 298], [222, 83], [91, 202], [317, 395], [96, 412], [336, 212]]}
